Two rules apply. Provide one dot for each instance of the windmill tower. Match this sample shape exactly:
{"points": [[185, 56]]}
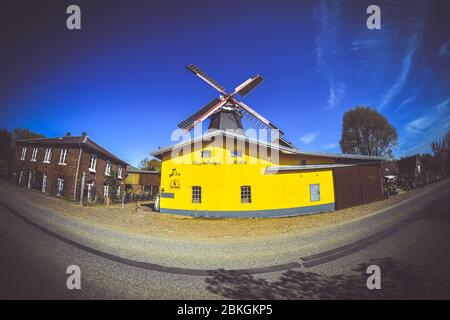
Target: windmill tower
{"points": [[226, 111]]}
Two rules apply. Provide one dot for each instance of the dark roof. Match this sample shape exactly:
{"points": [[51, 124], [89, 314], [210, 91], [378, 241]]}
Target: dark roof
{"points": [[83, 141], [131, 169]]}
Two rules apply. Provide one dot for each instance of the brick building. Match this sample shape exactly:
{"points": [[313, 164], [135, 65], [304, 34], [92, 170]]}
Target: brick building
{"points": [[57, 165]]}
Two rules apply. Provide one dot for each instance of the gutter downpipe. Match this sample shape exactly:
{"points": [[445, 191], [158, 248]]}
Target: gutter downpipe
{"points": [[78, 168]]}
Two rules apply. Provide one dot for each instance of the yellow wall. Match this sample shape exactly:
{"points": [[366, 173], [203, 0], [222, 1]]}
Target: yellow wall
{"points": [[132, 178], [220, 179]]}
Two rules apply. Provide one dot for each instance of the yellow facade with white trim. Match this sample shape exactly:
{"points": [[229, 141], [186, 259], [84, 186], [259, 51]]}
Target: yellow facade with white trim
{"points": [[222, 175]]}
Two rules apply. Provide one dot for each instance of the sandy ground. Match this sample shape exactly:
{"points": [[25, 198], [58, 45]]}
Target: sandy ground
{"points": [[142, 220]]}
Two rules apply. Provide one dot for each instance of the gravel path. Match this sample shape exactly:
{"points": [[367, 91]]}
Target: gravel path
{"points": [[228, 253], [143, 221]]}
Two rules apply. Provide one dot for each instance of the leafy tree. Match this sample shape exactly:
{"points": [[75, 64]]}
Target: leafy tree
{"points": [[113, 182], [23, 133], [6, 151], [441, 151], [366, 131], [5, 145], [151, 165]]}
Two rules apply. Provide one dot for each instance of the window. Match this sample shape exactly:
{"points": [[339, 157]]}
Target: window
{"points": [[63, 157], [196, 194], [119, 172], [236, 153], [59, 187], [34, 154], [48, 155], [314, 191], [108, 168], [23, 154], [246, 194], [44, 182], [303, 162], [105, 191], [93, 163], [20, 178], [206, 153]]}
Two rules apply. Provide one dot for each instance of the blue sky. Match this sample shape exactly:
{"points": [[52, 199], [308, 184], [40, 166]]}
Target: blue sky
{"points": [[122, 78]]}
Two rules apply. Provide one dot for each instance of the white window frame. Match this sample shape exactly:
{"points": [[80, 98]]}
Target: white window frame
{"points": [[246, 194], [60, 186], [197, 194], [119, 172], [105, 191], [48, 155], [34, 154], [24, 153], [63, 157], [108, 168], [93, 163]]}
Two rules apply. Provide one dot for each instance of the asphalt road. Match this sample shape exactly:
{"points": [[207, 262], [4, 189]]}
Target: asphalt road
{"points": [[410, 243]]}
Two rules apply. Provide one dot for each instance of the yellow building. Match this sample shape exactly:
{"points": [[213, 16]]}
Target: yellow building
{"points": [[223, 174]]}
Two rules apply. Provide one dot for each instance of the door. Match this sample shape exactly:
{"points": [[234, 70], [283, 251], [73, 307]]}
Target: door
{"points": [[314, 190], [44, 182], [90, 187]]}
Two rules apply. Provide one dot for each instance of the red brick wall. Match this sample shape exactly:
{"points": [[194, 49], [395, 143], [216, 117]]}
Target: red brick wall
{"points": [[67, 172]]}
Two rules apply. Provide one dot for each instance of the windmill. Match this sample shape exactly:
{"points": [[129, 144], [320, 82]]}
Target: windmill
{"points": [[226, 111]]}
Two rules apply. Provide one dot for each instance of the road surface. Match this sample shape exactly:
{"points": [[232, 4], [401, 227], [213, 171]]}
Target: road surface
{"points": [[410, 243]]}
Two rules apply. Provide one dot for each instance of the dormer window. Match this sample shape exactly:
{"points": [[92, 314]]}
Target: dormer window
{"points": [[34, 154], [93, 163], [23, 154], [108, 168], [236, 153], [206, 153], [48, 155]]}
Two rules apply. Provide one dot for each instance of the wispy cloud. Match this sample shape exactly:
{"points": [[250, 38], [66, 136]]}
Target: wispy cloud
{"points": [[327, 16], [400, 80], [404, 103], [438, 113], [309, 137], [444, 50], [329, 146], [337, 93], [421, 131]]}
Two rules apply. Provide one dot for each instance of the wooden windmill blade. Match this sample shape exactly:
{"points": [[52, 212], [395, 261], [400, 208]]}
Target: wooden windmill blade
{"points": [[201, 114], [256, 117], [244, 88], [198, 72]]}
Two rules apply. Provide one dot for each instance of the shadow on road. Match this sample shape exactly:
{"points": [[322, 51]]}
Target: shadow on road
{"points": [[398, 281]]}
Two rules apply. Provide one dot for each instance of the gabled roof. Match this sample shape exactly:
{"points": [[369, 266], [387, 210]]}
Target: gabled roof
{"points": [[82, 141], [158, 153]]}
